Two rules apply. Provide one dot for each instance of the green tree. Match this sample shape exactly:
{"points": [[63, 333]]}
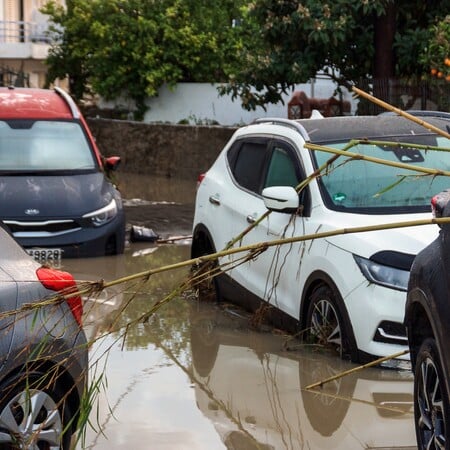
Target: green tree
{"points": [[436, 56], [131, 48], [349, 39]]}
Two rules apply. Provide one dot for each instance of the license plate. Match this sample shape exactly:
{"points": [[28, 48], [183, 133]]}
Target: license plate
{"points": [[45, 254]]}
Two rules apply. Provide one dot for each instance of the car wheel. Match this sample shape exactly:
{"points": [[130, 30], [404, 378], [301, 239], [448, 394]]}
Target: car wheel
{"points": [[431, 402], [32, 414], [324, 324], [208, 289]]}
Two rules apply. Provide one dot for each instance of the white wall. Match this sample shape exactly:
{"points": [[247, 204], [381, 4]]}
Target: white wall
{"points": [[200, 103]]}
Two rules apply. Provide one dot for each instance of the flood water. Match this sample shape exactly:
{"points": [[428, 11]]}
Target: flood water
{"points": [[196, 376]]}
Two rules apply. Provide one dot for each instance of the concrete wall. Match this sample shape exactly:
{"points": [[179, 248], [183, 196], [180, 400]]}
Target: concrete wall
{"points": [[159, 146], [200, 103], [160, 149]]}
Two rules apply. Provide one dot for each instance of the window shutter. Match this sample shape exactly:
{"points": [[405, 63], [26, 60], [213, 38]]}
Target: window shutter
{"points": [[12, 10]]}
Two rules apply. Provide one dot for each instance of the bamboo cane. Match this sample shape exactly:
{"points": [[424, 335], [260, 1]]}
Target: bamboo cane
{"points": [[400, 112], [251, 248], [356, 369], [384, 162]]}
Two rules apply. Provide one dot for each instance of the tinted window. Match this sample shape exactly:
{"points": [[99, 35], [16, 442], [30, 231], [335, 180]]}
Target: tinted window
{"points": [[281, 170], [44, 146], [249, 165]]}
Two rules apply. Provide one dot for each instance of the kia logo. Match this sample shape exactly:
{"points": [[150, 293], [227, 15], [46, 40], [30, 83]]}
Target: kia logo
{"points": [[32, 212]]}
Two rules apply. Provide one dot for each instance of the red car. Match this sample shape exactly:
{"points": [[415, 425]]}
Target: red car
{"points": [[55, 194]]}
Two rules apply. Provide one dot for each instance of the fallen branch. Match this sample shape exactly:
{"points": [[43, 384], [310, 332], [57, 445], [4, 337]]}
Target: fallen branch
{"points": [[357, 369], [400, 112], [358, 156], [253, 249]]}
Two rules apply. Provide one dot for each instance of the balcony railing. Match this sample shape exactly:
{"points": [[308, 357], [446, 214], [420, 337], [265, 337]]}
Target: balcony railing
{"points": [[24, 32], [11, 77]]}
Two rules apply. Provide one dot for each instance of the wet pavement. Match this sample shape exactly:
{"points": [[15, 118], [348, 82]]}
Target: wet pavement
{"points": [[196, 376]]}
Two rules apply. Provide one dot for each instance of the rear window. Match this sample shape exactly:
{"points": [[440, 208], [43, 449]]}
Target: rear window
{"points": [[27, 145]]}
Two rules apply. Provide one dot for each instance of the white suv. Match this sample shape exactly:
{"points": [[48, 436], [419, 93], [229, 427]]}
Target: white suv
{"points": [[347, 290]]}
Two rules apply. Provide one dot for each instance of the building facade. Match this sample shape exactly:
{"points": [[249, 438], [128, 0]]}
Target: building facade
{"points": [[24, 43]]}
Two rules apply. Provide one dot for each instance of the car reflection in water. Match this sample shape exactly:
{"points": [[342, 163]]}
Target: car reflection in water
{"points": [[254, 392]]}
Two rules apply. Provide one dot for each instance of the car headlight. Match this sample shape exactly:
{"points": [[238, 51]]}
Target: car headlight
{"points": [[103, 215], [387, 276]]}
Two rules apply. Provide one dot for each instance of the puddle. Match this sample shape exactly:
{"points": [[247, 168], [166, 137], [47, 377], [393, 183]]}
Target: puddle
{"points": [[194, 376]]}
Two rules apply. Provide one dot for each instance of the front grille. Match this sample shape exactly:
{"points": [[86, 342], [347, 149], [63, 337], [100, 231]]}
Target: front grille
{"points": [[40, 229]]}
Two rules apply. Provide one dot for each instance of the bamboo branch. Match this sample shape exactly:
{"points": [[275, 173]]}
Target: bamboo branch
{"points": [[356, 369], [251, 248], [385, 162], [400, 112]]}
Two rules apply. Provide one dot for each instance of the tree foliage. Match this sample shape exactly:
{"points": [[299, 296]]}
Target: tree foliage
{"points": [[436, 56], [132, 47], [349, 39]]}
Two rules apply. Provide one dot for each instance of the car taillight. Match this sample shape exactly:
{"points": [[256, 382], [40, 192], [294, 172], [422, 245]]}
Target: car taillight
{"points": [[200, 179], [58, 280]]}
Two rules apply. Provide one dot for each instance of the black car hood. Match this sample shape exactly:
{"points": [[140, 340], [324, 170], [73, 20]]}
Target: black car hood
{"points": [[53, 196]]}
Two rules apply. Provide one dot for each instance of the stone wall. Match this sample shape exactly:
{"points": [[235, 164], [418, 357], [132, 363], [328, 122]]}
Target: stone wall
{"points": [[160, 149]]}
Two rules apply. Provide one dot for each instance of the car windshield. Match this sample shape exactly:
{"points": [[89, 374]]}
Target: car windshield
{"points": [[42, 145], [366, 187]]}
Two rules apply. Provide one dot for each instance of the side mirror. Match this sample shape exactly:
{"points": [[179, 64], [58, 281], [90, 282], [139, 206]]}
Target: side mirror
{"points": [[112, 163], [281, 199]]}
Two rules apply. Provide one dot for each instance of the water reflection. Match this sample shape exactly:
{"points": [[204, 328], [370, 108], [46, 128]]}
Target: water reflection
{"points": [[253, 392], [194, 376], [117, 306]]}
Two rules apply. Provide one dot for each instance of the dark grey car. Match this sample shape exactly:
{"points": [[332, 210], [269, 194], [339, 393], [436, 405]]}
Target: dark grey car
{"points": [[43, 353], [427, 318]]}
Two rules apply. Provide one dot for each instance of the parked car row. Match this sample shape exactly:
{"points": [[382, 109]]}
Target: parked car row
{"points": [[362, 294]]}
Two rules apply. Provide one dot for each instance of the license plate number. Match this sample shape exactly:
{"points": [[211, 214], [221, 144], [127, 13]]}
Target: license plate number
{"points": [[45, 254]]}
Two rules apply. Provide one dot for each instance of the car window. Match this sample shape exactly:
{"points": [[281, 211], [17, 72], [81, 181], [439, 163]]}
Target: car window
{"points": [[249, 165], [44, 146], [281, 170], [362, 185]]}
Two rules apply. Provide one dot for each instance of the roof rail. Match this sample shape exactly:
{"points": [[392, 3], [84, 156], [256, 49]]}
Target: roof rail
{"points": [[421, 113], [287, 123], [69, 100]]}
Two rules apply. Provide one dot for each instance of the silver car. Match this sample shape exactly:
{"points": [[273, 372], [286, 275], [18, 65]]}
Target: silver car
{"points": [[43, 352]]}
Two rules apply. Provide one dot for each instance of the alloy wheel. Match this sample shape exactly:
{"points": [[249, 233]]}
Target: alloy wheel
{"points": [[325, 325], [31, 420], [430, 406]]}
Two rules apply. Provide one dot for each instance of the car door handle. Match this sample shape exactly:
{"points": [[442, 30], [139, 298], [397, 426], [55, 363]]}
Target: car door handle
{"points": [[251, 219], [214, 200]]}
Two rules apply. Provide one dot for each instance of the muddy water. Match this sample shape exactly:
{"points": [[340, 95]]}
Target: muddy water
{"points": [[195, 376]]}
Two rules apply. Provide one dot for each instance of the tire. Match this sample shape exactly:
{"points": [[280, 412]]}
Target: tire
{"points": [[207, 289], [325, 326], [22, 395], [431, 402]]}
